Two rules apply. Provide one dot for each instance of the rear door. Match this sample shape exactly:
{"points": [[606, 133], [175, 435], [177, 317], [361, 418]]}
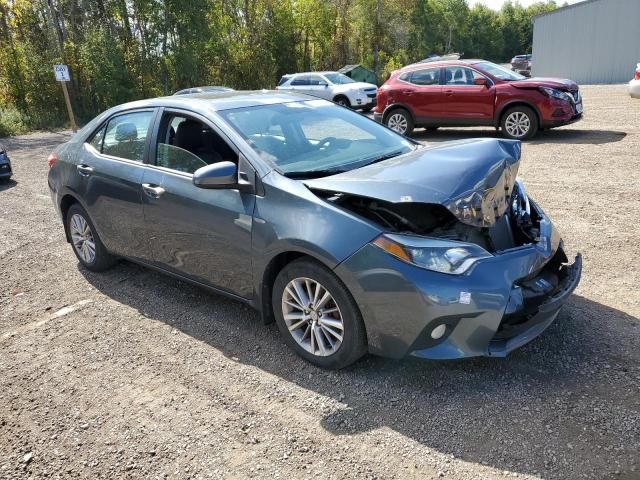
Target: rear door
{"points": [[202, 234], [422, 91], [300, 84], [111, 168], [463, 100]]}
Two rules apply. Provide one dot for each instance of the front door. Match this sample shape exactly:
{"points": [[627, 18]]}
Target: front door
{"points": [[110, 168], [464, 101], [199, 233]]}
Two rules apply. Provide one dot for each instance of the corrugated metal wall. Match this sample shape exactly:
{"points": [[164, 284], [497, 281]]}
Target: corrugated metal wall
{"points": [[593, 42]]}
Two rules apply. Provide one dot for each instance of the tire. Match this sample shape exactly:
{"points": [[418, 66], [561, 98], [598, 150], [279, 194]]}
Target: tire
{"points": [[519, 123], [400, 121], [101, 259], [339, 309], [342, 100], [432, 129]]}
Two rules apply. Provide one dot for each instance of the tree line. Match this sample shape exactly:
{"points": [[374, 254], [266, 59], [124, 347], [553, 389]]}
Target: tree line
{"points": [[121, 50]]}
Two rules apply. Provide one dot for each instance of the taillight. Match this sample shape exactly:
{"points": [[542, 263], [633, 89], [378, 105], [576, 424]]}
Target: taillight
{"points": [[52, 159], [637, 77]]}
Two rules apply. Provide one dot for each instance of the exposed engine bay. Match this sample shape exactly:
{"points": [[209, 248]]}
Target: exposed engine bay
{"points": [[519, 225]]}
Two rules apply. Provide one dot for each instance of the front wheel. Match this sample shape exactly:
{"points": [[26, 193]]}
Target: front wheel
{"points": [[519, 123], [317, 316], [343, 101]]}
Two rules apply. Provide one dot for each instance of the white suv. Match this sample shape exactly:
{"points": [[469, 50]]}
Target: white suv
{"points": [[332, 86]]}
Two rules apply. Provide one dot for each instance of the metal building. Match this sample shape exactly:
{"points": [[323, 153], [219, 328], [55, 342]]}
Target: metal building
{"points": [[595, 41]]}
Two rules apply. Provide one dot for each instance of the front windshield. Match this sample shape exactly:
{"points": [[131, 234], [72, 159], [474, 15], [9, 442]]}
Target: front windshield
{"points": [[314, 138], [499, 72], [338, 78]]}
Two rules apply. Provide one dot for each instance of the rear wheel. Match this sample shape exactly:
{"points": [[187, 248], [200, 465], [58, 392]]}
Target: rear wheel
{"points": [[400, 121], [519, 123], [85, 241], [317, 316]]}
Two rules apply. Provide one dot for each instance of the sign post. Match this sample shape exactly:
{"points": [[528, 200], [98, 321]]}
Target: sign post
{"points": [[62, 76]]}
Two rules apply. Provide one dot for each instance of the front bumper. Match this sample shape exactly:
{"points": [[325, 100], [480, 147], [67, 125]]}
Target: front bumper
{"points": [[568, 120], [363, 101], [5, 170], [484, 311]]}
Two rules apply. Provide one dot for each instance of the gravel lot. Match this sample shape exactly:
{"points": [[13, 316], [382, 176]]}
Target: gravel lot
{"points": [[130, 374]]}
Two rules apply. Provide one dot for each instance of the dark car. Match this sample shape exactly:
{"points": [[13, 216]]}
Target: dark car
{"points": [[351, 237], [5, 164], [462, 93], [522, 64], [208, 89]]}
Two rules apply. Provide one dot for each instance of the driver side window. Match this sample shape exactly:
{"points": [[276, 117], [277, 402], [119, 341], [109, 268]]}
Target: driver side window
{"points": [[186, 144]]}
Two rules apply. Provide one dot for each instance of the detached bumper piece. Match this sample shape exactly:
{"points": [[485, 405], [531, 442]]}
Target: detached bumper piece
{"points": [[522, 326]]}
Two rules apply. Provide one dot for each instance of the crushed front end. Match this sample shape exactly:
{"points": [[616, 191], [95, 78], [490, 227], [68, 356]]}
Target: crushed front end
{"points": [[504, 300]]}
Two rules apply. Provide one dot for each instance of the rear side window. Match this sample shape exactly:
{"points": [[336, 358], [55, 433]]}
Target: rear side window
{"points": [[126, 136], [300, 81], [429, 76], [96, 141]]}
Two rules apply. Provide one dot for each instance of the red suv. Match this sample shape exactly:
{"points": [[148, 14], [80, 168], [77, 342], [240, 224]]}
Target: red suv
{"points": [[464, 93]]}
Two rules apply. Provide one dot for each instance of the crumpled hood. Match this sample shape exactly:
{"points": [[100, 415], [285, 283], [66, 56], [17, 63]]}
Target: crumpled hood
{"points": [[473, 179], [558, 83]]}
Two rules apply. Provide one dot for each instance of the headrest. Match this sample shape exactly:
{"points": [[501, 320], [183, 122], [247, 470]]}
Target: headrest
{"points": [[126, 132]]}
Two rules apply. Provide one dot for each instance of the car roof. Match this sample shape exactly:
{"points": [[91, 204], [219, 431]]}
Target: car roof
{"points": [[441, 63], [310, 73], [218, 101]]}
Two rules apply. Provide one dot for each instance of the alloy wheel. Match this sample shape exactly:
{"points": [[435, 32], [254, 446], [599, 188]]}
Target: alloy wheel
{"points": [[82, 238], [398, 123], [517, 124], [312, 316]]}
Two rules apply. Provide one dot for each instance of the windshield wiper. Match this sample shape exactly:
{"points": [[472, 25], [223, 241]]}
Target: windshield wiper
{"points": [[381, 158], [335, 171], [313, 173]]}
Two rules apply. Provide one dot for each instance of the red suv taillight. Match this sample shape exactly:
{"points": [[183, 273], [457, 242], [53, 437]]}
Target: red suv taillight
{"points": [[52, 159], [637, 77]]}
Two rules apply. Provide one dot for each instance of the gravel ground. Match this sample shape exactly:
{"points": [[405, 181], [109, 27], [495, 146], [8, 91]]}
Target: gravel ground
{"points": [[130, 374]]}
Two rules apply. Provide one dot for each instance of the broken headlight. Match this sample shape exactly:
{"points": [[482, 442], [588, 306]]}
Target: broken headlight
{"points": [[432, 254], [558, 94]]}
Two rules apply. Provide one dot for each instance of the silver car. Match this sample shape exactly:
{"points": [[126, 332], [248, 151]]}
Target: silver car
{"points": [[333, 86]]}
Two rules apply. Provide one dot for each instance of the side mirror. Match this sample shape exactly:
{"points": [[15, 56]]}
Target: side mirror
{"points": [[323, 84], [481, 81], [217, 175]]}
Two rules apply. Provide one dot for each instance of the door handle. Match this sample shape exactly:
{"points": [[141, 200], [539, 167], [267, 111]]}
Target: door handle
{"points": [[153, 191], [84, 170], [448, 92], [408, 93]]}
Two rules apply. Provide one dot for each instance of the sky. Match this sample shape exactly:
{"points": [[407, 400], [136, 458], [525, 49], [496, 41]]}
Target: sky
{"points": [[496, 4]]}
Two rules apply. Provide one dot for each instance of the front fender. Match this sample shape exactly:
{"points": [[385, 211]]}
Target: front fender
{"points": [[290, 218]]}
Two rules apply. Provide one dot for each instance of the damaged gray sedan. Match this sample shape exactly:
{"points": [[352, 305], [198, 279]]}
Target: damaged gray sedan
{"points": [[351, 237]]}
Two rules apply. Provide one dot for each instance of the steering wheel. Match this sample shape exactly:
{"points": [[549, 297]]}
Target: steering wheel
{"points": [[326, 141]]}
